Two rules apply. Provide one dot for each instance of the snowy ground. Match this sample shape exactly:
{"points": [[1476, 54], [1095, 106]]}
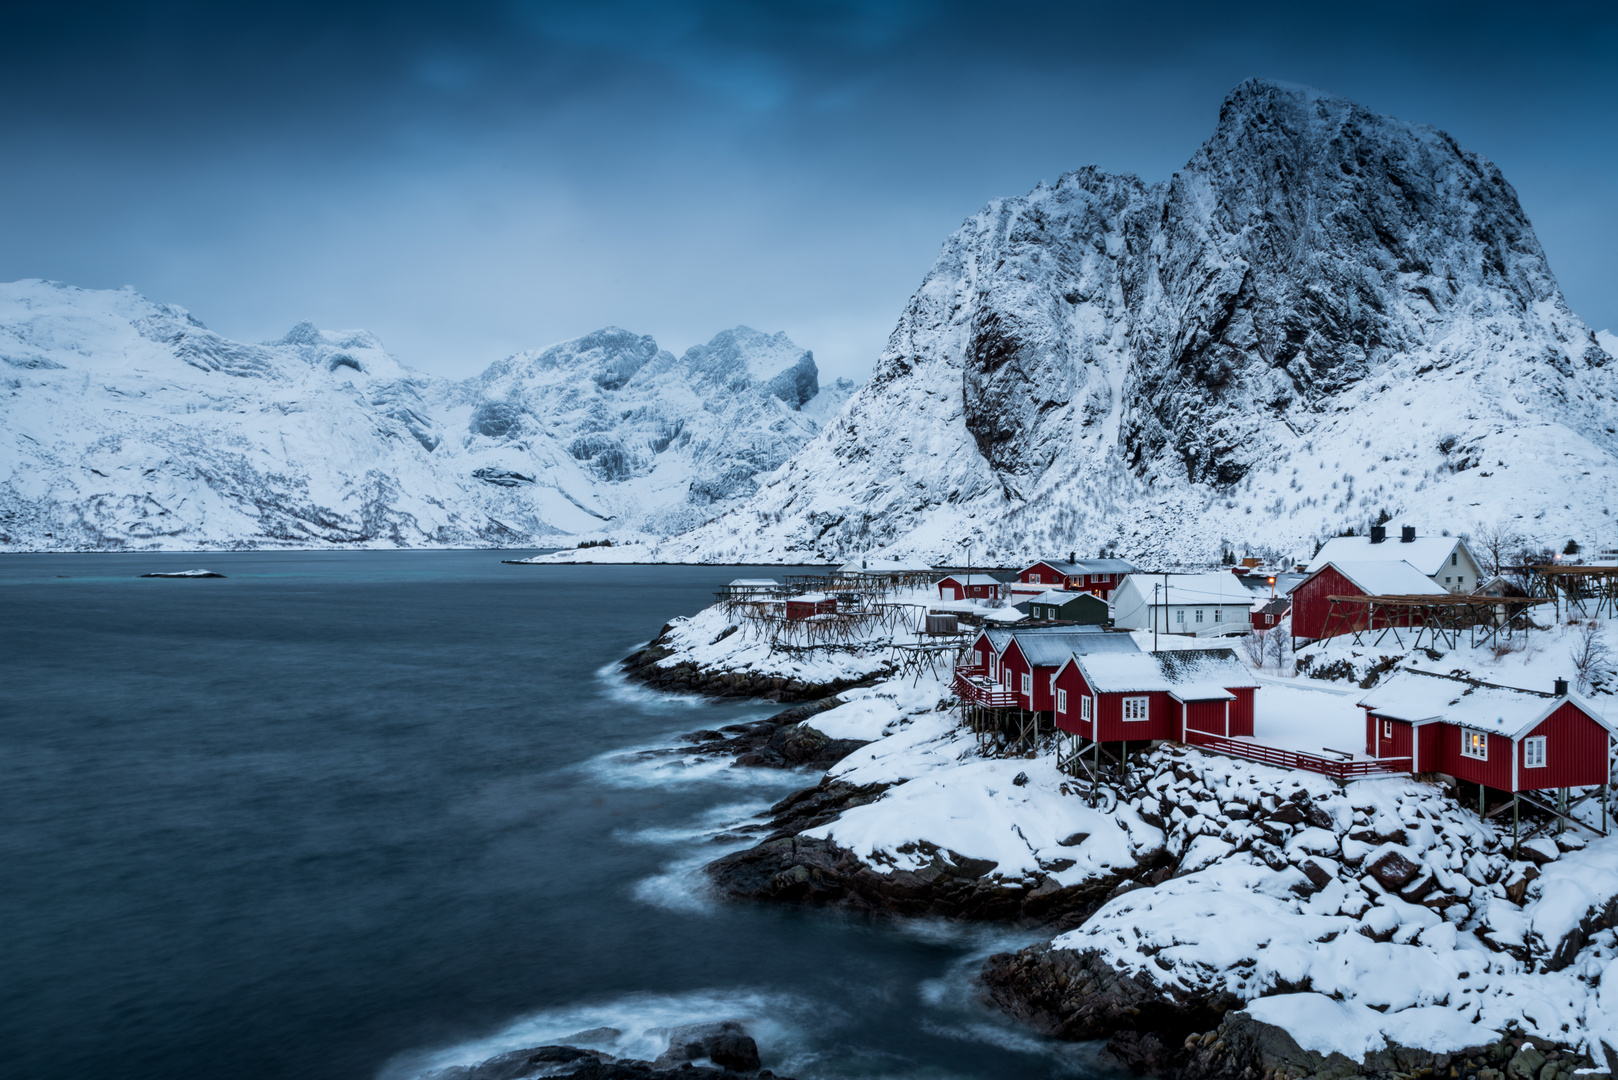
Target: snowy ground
{"points": [[1347, 915]]}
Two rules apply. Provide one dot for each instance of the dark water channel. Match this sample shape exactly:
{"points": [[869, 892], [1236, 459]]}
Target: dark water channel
{"points": [[361, 814]]}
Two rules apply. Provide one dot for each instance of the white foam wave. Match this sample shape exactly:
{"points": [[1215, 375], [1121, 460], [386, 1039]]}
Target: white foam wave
{"points": [[635, 1026], [657, 765], [618, 686]]}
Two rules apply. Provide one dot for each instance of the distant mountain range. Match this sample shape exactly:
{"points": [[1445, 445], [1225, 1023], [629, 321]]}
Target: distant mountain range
{"points": [[129, 424], [1324, 315]]}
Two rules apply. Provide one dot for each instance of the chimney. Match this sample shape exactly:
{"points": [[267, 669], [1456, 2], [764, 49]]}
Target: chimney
{"points": [[1379, 533], [1561, 688], [1407, 535], [1073, 556]]}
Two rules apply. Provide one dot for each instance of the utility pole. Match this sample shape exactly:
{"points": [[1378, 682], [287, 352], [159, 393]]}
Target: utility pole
{"points": [[1155, 610]]}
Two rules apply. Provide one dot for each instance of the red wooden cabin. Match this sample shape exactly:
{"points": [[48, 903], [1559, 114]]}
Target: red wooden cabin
{"points": [[1271, 614], [969, 587], [1148, 696], [1503, 737], [1311, 604], [1028, 662], [1097, 576], [801, 607]]}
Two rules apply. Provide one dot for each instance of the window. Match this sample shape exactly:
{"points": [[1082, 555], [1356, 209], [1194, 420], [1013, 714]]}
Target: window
{"points": [[1135, 708], [1034, 578], [1533, 752], [1179, 616], [1028, 685], [1086, 709], [983, 658], [1446, 579], [1387, 729], [1268, 619], [1453, 556], [1061, 701], [1475, 744], [1219, 613], [1199, 615], [1053, 684]]}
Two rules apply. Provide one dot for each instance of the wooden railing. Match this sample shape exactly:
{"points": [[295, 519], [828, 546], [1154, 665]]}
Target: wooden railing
{"points": [[1295, 759], [972, 685]]}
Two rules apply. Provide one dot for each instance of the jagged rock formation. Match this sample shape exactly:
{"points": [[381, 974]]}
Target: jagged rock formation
{"points": [[1325, 314], [130, 424]]}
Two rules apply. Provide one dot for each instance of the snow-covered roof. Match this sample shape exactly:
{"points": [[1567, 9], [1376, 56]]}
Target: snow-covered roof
{"points": [[1047, 649], [1214, 587], [1426, 553], [753, 583], [969, 579], [1422, 697], [1387, 578], [1187, 674], [1087, 566], [998, 638], [808, 598], [1058, 597]]}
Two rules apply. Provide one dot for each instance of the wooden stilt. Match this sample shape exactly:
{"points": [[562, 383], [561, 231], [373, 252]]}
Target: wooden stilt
{"points": [[1480, 801], [1513, 824]]}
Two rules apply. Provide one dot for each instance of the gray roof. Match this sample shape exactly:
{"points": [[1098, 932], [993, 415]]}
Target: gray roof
{"points": [[1091, 566], [1047, 649]]}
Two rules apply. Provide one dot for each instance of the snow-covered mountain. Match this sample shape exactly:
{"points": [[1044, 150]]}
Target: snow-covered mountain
{"points": [[129, 424], [1325, 314]]}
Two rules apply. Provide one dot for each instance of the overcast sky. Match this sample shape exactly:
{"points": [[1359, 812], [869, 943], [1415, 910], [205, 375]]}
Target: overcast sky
{"points": [[468, 180]]}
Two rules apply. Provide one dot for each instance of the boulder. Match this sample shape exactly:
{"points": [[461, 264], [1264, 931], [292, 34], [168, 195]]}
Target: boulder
{"points": [[1392, 871], [726, 1044]]}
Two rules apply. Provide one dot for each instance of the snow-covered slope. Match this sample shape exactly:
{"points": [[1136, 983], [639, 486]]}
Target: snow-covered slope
{"points": [[1325, 314], [127, 423]]}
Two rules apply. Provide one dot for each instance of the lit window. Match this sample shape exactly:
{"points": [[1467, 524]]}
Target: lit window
{"points": [[1135, 708], [1533, 752], [1061, 701], [1034, 578], [1086, 705], [1475, 744]]}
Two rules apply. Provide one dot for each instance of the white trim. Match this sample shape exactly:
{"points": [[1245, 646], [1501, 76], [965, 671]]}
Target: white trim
{"points": [[1087, 707], [1227, 718], [1028, 686], [1466, 741], [1061, 702], [1529, 745], [1145, 701]]}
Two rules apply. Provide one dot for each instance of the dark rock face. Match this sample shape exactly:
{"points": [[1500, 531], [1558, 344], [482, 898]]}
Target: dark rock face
{"points": [[688, 678], [790, 868], [725, 1043], [781, 741]]}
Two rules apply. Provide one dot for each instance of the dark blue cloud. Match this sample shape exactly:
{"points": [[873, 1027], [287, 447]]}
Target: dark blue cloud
{"points": [[468, 179]]}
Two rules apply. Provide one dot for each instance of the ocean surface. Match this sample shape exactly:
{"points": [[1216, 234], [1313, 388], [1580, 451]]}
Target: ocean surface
{"points": [[367, 814]]}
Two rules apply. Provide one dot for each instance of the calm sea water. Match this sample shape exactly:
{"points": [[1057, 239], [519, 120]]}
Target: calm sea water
{"points": [[363, 814]]}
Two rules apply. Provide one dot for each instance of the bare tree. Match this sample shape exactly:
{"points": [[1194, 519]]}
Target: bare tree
{"points": [[1495, 543], [1592, 659], [1254, 644], [1276, 643]]}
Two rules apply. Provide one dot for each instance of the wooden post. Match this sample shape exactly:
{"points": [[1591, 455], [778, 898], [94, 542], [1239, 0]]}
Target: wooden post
{"points": [[1480, 800], [1513, 824]]}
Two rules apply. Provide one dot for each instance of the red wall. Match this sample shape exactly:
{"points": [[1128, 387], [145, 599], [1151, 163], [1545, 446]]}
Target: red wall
{"points": [[1241, 711], [1162, 718], [1427, 755], [1206, 716], [1043, 699], [1073, 682], [1496, 772], [1310, 608], [1575, 752], [1395, 745]]}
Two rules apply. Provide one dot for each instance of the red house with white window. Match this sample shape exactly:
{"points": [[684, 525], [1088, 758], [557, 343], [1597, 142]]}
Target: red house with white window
{"points": [[1271, 614], [969, 587], [801, 607], [1122, 697], [1029, 660], [1096, 576], [1502, 737]]}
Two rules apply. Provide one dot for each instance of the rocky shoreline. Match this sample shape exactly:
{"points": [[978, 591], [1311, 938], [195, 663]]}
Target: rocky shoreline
{"points": [[688, 677], [725, 1047]]}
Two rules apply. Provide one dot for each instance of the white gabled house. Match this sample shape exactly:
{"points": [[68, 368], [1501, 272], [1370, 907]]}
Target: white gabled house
{"points": [[1209, 604], [1445, 560]]}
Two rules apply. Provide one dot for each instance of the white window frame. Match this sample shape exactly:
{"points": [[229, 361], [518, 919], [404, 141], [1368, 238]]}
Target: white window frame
{"points": [[1387, 729], [1027, 684], [1086, 708], [1199, 616], [1179, 616], [1033, 579], [1533, 752], [1218, 613], [1053, 682], [1467, 744], [1141, 705], [1061, 701]]}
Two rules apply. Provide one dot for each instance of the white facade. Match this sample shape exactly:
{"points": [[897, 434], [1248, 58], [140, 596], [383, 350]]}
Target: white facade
{"points": [[1208, 604]]}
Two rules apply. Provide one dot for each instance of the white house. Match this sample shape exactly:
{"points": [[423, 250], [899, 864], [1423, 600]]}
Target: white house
{"points": [[1445, 560], [1209, 604]]}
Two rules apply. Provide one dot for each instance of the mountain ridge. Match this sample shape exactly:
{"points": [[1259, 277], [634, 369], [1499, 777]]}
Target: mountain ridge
{"points": [[130, 424]]}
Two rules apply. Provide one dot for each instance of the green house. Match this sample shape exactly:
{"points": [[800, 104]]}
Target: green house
{"points": [[1078, 607]]}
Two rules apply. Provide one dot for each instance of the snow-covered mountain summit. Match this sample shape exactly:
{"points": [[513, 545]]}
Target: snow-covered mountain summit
{"points": [[1324, 314], [129, 423]]}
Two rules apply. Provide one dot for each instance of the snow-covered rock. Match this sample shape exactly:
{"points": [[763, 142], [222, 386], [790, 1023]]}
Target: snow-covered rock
{"points": [[130, 424], [1324, 314]]}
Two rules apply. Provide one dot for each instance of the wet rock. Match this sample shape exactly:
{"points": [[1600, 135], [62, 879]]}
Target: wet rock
{"points": [[725, 1044], [645, 666]]}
